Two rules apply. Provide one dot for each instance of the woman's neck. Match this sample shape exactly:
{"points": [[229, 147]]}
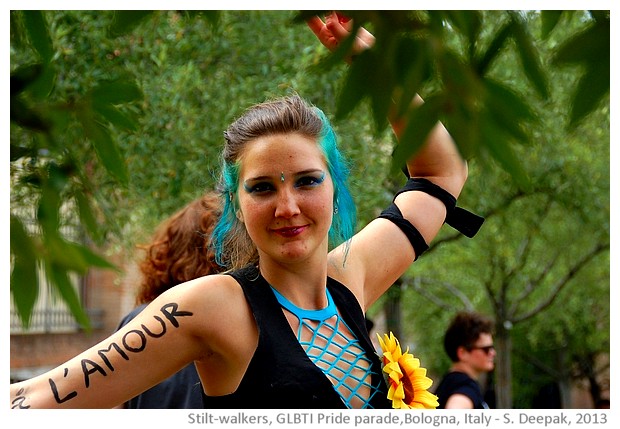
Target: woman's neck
{"points": [[302, 283]]}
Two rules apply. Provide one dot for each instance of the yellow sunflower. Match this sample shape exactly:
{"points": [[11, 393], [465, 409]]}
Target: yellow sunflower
{"points": [[407, 380]]}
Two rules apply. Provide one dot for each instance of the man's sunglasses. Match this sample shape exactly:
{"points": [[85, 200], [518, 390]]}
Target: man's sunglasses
{"points": [[485, 349]]}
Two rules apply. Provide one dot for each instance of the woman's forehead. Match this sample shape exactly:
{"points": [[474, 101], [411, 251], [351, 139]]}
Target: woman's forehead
{"points": [[273, 154]]}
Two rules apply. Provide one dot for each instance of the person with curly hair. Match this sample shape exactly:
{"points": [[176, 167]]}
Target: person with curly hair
{"points": [[179, 251]]}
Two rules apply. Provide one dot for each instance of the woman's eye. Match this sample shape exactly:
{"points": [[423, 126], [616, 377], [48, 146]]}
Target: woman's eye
{"points": [[259, 188], [309, 181]]}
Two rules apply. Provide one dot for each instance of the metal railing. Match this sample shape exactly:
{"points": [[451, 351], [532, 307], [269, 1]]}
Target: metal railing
{"points": [[47, 321]]}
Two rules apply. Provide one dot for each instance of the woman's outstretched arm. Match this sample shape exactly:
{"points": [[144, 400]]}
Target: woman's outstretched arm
{"points": [[203, 321]]}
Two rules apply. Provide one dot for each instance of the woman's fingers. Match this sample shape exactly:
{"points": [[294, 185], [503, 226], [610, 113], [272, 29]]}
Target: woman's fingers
{"points": [[322, 32], [335, 29]]}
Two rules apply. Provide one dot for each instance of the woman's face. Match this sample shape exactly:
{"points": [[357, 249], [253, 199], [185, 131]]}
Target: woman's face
{"points": [[286, 196]]}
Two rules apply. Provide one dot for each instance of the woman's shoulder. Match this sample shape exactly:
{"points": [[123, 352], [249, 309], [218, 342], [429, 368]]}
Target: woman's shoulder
{"points": [[208, 295]]}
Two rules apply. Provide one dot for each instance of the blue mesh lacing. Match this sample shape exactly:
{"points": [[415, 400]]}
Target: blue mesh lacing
{"points": [[333, 347]]}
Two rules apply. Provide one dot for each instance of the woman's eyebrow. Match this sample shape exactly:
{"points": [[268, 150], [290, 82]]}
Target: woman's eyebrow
{"points": [[310, 171], [258, 178], [297, 174]]}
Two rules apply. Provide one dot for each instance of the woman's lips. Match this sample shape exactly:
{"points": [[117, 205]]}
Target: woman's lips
{"points": [[290, 231]]}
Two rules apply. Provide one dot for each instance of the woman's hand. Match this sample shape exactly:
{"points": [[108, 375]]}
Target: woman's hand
{"points": [[335, 29]]}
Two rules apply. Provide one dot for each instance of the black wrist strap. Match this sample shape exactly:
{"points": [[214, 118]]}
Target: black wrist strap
{"points": [[458, 218]]}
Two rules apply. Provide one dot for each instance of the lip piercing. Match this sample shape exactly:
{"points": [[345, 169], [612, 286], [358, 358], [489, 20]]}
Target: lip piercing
{"points": [[282, 176]]}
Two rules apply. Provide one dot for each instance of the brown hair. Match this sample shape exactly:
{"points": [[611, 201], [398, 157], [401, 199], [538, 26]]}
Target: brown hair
{"points": [[180, 249], [290, 114], [464, 331], [284, 115]]}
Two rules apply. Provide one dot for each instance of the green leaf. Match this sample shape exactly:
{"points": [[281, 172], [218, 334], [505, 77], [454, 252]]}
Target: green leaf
{"points": [[495, 48], [17, 32], [355, 86], [24, 287], [381, 104], [460, 81], [87, 216], [62, 254], [89, 257], [468, 22], [47, 210], [549, 19], [529, 57], [591, 89], [115, 92], [498, 145], [38, 34], [462, 122], [419, 124], [17, 152], [381, 83], [125, 21], [508, 110], [589, 45], [107, 150], [38, 80], [411, 69], [26, 117], [72, 256], [24, 274], [44, 85], [591, 49], [23, 76], [116, 118], [60, 279]]}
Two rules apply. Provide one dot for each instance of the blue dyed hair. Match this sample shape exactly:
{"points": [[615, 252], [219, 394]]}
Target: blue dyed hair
{"points": [[343, 223], [233, 246]]}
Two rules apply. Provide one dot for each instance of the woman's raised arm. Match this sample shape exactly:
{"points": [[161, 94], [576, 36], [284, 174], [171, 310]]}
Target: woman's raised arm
{"points": [[385, 248]]}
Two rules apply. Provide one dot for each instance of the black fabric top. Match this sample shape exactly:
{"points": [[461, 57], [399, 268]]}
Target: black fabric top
{"points": [[280, 374], [459, 382], [180, 390]]}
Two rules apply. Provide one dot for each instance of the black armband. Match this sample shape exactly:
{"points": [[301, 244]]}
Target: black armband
{"points": [[458, 218], [393, 214]]}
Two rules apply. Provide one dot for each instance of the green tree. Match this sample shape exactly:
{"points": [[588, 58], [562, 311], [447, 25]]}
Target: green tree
{"points": [[540, 265], [61, 147]]}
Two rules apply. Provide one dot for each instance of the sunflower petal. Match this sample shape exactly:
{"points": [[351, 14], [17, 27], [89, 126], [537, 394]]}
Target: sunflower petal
{"points": [[404, 368], [426, 399]]}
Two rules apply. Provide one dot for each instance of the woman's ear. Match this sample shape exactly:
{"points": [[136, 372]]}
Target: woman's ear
{"points": [[239, 215]]}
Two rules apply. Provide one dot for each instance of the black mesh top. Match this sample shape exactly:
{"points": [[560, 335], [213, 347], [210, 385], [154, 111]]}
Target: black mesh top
{"points": [[280, 374]]}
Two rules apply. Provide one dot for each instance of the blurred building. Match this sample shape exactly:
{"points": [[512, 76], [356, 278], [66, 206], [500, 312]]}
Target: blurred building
{"points": [[53, 336]]}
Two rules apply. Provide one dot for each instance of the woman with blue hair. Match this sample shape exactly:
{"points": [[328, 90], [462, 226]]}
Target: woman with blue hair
{"points": [[289, 115], [284, 327]]}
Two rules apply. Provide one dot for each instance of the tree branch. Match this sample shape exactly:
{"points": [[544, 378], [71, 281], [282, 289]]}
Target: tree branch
{"points": [[561, 284]]}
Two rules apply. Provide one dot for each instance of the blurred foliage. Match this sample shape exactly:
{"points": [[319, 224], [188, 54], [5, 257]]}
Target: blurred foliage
{"points": [[448, 57], [117, 120], [540, 265]]}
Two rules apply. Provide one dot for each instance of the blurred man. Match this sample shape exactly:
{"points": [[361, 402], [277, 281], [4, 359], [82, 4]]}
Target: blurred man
{"points": [[469, 344]]}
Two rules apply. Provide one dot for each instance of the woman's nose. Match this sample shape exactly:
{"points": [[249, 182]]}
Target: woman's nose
{"points": [[286, 205]]}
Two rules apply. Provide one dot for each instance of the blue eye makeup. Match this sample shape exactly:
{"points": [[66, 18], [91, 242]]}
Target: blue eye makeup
{"points": [[303, 180], [258, 188], [310, 180]]}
